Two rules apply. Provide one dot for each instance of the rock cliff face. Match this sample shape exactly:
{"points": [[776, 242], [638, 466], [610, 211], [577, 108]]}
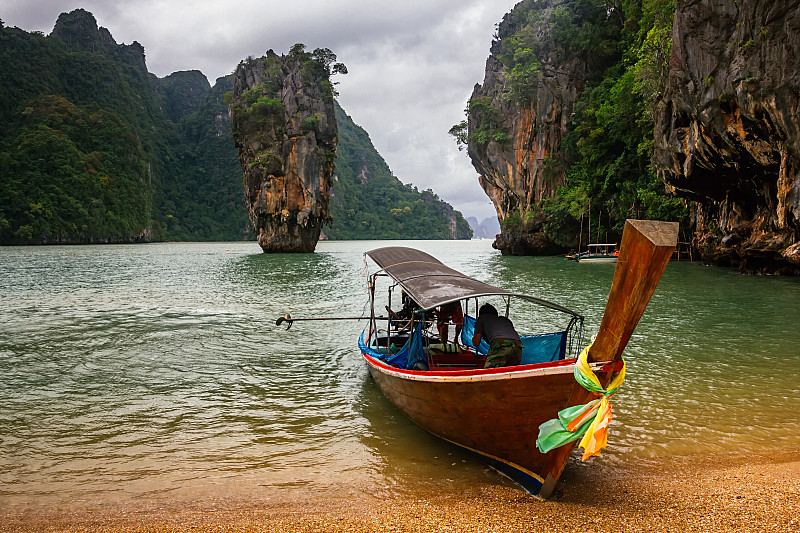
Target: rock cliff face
{"points": [[284, 127], [519, 161], [728, 132], [78, 29], [182, 93], [514, 172]]}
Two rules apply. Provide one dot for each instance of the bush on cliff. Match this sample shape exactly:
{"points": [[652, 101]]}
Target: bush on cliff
{"points": [[619, 51]]}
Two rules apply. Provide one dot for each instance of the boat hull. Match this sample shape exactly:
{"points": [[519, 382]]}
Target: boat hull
{"points": [[495, 413], [598, 259]]}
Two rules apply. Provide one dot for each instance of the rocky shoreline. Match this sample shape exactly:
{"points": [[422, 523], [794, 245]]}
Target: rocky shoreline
{"points": [[703, 494]]}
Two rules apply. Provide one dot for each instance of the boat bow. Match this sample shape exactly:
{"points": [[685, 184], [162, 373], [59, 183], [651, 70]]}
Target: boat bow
{"points": [[647, 246]]}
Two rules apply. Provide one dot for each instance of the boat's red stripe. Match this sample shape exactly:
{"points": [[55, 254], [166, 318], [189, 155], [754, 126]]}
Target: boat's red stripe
{"points": [[476, 372]]}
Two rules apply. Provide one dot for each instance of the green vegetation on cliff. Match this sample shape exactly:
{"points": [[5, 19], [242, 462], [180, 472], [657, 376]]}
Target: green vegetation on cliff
{"points": [[93, 148], [609, 147], [369, 202], [73, 162], [622, 48], [96, 149], [76, 174], [206, 201], [589, 29]]}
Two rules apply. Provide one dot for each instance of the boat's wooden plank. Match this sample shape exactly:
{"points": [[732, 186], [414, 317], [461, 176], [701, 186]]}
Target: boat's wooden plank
{"points": [[646, 249], [499, 418], [647, 246]]}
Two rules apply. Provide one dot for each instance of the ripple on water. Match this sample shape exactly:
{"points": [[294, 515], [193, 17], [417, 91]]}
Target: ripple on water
{"points": [[158, 370]]}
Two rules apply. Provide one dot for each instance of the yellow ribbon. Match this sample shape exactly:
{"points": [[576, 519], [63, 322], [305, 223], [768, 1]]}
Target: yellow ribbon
{"points": [[589, 421], [596, 436]]}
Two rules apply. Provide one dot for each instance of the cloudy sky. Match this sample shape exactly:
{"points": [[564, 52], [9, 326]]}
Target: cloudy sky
{"points": [[412, 64]]}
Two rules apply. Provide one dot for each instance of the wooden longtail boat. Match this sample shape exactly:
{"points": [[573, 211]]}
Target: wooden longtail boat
{"points": [[497, 412]]}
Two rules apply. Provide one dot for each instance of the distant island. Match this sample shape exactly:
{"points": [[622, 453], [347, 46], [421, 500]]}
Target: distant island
{"points": [[488, 228]]}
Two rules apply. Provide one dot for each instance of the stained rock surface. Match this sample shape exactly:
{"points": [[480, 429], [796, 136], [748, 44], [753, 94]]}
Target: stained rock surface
{"points": [[514, 173], [728, 131], [284, 127]]}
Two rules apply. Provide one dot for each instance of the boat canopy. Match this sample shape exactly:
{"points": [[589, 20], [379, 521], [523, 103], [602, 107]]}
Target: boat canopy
{"points": [[430, 283]]}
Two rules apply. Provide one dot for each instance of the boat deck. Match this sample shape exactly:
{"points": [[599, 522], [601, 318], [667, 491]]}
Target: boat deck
{"points": [[439, 357], [453, 357]]}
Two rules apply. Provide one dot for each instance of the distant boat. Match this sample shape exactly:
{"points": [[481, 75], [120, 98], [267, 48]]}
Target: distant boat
{"points": [[599, 253], [509, 416]]}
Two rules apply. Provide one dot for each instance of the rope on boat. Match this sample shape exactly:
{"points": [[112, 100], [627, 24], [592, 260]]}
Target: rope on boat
{"points": [[589, 421]]}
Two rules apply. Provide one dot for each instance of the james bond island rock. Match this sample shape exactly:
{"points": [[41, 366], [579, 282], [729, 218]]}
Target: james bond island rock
{"points": [[284, 127], [519, 115], [728, 133]]}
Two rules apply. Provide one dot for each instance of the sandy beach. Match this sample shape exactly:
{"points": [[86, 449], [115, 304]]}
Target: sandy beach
{"points": [[703, 494]]}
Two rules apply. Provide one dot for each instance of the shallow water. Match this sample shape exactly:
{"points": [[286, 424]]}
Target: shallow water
{"points": [[157, 371]]}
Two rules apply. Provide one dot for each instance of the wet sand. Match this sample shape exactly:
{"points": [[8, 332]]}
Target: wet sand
{"points": [[703, 494]]}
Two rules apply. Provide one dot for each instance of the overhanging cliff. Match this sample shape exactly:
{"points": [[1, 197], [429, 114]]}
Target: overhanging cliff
{"points": [[284, 127], [728, 131]]}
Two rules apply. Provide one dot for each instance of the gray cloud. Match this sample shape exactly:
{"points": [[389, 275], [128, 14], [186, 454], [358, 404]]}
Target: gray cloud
{"points": [[412, 64]]}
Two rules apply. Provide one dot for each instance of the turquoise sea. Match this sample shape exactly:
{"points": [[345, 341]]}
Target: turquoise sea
{"points": [[157, 371]]}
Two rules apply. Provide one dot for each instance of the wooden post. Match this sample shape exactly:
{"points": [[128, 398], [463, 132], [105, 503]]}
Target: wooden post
{"points": [[590, 224], [647, 246]]}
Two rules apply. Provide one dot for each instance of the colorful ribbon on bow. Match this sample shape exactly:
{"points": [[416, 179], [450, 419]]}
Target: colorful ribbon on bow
{"points": [[589, 420]]}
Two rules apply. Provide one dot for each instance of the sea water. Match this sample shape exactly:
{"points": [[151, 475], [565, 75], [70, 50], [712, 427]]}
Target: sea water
{"points": [[157, 371]]}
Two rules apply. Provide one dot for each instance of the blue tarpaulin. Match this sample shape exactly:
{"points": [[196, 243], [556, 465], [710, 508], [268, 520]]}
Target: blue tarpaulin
{"points": [[542, 348], [409, 354]]}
